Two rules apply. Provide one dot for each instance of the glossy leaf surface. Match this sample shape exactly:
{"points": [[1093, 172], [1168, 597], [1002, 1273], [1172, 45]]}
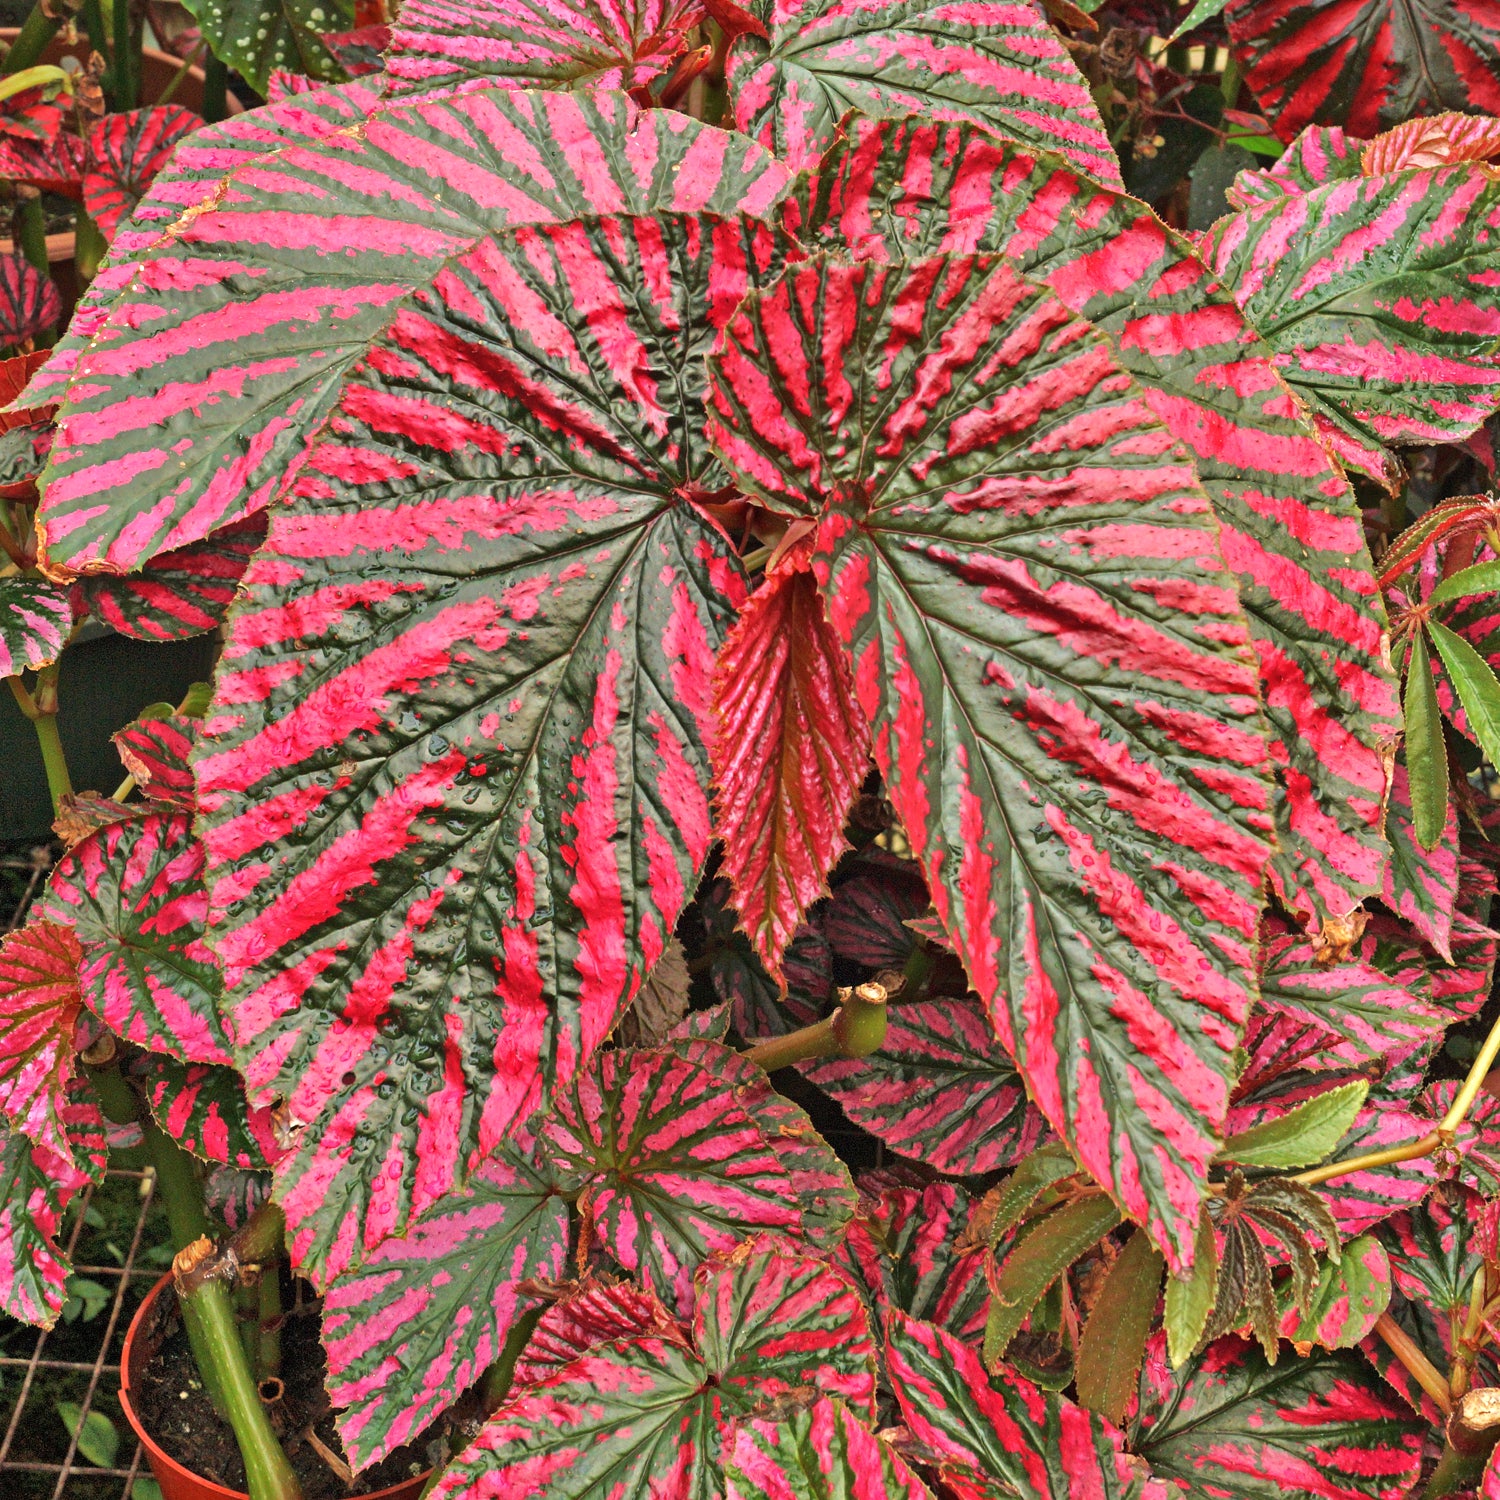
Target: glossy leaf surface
{"points": [[39, 1005], [202, 1106], [999, 574], [35, 618], [158, 754], [254, 37], [33, 1270], [1350, 1295]]}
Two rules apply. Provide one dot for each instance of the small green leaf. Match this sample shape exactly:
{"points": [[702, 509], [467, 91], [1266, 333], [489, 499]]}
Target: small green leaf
{"points": [[98, 1440], [1475, 685], [1049, 1163], [145, 1489], [1191, 1299], [86, 1299], [1482, 578], [1041, 1257], [1114, 1338], [1302, 1136], [1261, 145], [1204, 10], [1426, 756]]}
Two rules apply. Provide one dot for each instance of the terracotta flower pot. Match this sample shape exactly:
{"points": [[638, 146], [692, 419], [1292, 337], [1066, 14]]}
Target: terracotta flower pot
{"points": [[178, 1483]]}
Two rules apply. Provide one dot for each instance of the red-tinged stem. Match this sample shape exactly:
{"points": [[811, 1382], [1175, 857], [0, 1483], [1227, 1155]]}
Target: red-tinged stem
{"points": [[1413, 1361]]}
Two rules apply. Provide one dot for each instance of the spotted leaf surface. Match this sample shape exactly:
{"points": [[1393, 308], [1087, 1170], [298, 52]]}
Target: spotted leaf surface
{"points": [[256, 36], [1422, 884], [180, 593], [998, 1435], [158, 754], [1366, 64], [133, 894], [463, 709], [1032, 595], [29, 304], [35, 618], [39, 1005], [675, 1165], [255, 325], [940, 1090], [994, 62], [1288, 525], [1228, 1422], [1350, 1296], [1378, 296], [821, 1453], [202, 1106], [644, 1415], [125, 151], [791, 750], [541, 44], [419, 1323]]}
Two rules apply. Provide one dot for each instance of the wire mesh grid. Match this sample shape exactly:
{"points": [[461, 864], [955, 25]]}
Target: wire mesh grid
{"points": [[93, 1385]]}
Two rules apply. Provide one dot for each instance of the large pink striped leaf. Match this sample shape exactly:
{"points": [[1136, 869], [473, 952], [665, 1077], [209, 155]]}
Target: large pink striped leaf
{"points": [[643, 1416], [40, 1001], [940, 1090], [1366, 64], [996, 63], [125, 152], [255, 37], [133, 894], [997, 1435], [672, 1157], [463, 706], [1378, 296], [1030, 587], [590, 1314], [336, 212], [790, 752], [35, 1186], [1289, 527], [821, 1453], [202, 1106], [541, 44], [1229, 1424], [35, 618], [412, 1329]]}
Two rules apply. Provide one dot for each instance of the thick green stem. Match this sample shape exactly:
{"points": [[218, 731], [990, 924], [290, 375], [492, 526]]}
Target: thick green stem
{"points": [[40, 707], [98, 34], [127, 62], [31, 233], [268, 1359], [496, 1384], [1229, 83], [1472, 1430], [38, 30], [90, 246], [215, 90], [855, 1029], [208, 1314]]}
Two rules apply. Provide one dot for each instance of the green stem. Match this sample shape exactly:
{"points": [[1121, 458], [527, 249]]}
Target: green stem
{"points": [[98, 35], [215, 90], [1229, 83], [496, 1384], [855, 1029], [208, 1314], [31, 231], [247, 1322], [1472, 1430], [90, 246], [41, 708], [268, 1361], [124, 70], [38, 30], [189, 62]]}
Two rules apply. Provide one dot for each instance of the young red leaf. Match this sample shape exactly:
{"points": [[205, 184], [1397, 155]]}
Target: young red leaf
{"points": [[1231, 1420], [1005, 692], [419, 1323], [35, 618], [868, 918], [790, 752], [537, 44], [1364, 63], [125, 152], [52, 161], [940, 1090], [1432, 142], [645, 1415], [39, 1004], [1421, 884], [994, 62], [999, 1435], [1289, 527], [202, 1106], [133, 895], [29, 304], [157, 753]]}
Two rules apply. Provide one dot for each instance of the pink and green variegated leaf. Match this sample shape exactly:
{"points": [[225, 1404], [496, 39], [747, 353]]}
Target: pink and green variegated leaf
{"points": [[594, 1314], [866, 921], [1432, 142], [158, 754], [1289, 527], [1031, 590], [133, 894], [1474, 1157], [1318, 155], [1366, 64], [256, 329], [1436, 1252], [463, 706], [996, 63], [33, 1268], [39, 1004], [997, 1435], [823, 1452], [642, 1416], [1229, 1424], [35, 618], [1364, 1006], [538, 44], [1363, 1199], [1350, 1296], [1378, 295], [940, 1090], [825, 1191], [671, 1161], [1421, 885], [29, 304], [180, 593], [254, 37], [202, 1106], [790, 752], [411, 1330], [125, 152], [234, 1194]]}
